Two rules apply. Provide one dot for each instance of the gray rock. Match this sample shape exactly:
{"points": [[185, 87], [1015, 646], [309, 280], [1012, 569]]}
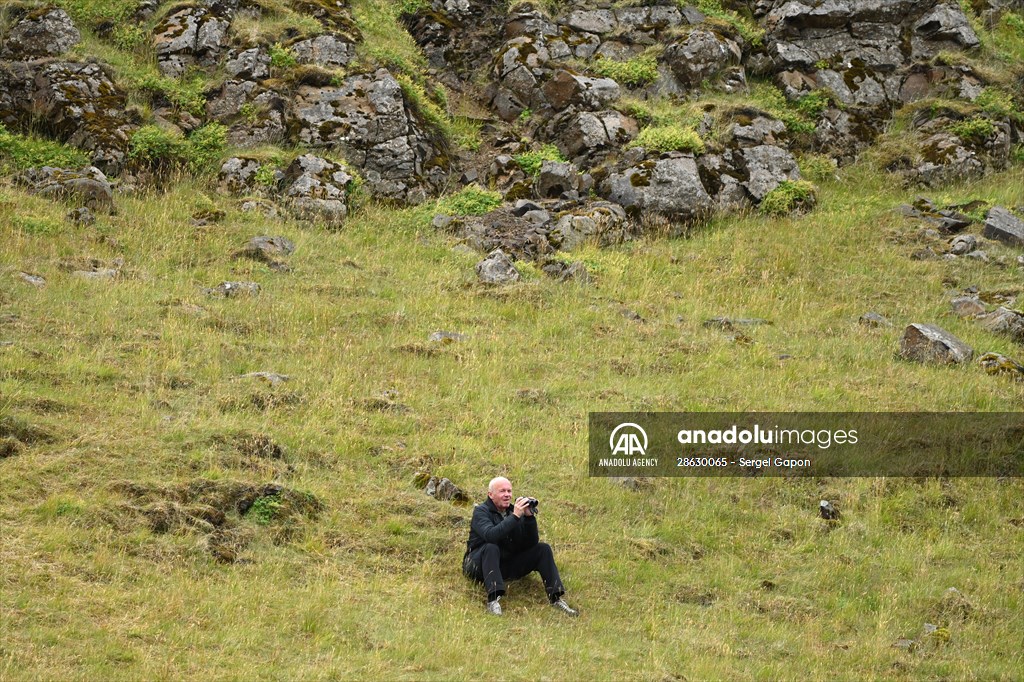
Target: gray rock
{"points": [[80, 103], [87, 186], [497, 268], [234, 290], [929, 343], [1003, 225], [248, 65], [81, 216], [567, 272], [238, 175], [996, 363], [566, 89], [317, 189], [583, 133], [49, 33], [368, 120], [701, 55], [670, 186], [591, 21], [761, 131], [266, 249], [873, 319], [555, 179], [191, 36], [328, 50], [99, 274], [967, 306], [263, 119], [768, 167], [600, 222], [1006, 322], [947, 23], [978, 255], [444, 490], [446, 337], [963, 243], [272, 378], [500, 229], [34, 280]]}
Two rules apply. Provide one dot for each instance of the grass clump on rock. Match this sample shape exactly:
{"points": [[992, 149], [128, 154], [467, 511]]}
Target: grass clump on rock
{"points": [[670, 139], [634, 73], [788, 197], [471, 200], [530, 162], [18, 152]]}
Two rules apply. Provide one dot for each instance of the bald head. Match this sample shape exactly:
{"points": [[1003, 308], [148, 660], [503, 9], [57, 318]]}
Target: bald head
{"points": [[499, 490]]}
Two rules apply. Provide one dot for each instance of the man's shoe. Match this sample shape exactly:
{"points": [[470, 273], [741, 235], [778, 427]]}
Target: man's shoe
{"points": [[494, 608], [565, 608]]}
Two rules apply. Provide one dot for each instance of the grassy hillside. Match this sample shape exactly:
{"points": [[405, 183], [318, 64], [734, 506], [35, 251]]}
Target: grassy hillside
{"points": [[136, 381], [139, 539]]}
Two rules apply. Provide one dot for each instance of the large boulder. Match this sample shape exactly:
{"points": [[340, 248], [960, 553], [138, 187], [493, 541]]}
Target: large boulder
{"points": [[700, 56], [368, 120], [1004, 226], [253, 113], [87, 186], [928, 343], [192, 36], [599, 222], [566, 89], [670, 186], [766, 168], [47, 32], [76, 103], [327, 50], [586, 135]]}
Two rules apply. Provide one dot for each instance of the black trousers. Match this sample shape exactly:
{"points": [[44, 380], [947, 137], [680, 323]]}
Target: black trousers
{"points": [[488, 566]]}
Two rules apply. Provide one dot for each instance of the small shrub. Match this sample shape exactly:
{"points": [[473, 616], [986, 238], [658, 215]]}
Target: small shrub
{"points": [[432, 114], [18, 152], [264, 509], [635, 73], [186, 93], [206, 145], [281, 57], [1014, 22], [525, 115], [813, 104], [530, 162], [750, 31], [129, 37], [155, 147], [975, 129], [996, 102], [471, 200], [817, 167], [265, 176], [669, 139], [788, 197]]}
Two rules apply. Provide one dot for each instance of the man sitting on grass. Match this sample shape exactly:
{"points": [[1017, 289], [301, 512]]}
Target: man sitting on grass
{"points": [[504, 545]]}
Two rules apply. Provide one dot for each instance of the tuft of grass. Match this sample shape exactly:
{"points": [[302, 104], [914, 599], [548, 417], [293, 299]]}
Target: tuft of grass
{"points": [[997, 102], [530, 162], [743, 25], [798, 117], [470, 200], [788, 197], [633, 73], [281, 57], [91, 13], [669, 139], [158, 149], [976, 129], [18, 152]]}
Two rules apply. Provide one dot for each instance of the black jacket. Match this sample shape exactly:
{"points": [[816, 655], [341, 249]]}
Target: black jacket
{"points": [[511, 533]]}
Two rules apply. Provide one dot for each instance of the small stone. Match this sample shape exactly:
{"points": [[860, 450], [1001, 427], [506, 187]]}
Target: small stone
{"points": [[34, 280], [97, 274], [497, 268], [271, 378], [265, 249], [81, 216], [728, 323], [964, 243], [978, 255], [1005, 321], [441, 222], [904, 644], [967, 306], [1004, 226], [446, 337], [234, 290], [929, 343], [873, 319], [996, 363]]}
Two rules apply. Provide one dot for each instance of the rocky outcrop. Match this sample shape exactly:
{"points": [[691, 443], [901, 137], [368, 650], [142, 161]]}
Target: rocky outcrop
{"points": [[47, 32], [369, 121], [1003, 225], [316, 189], [192, 36], [670, 186], [76, 103], [328, 50], [86, 186], [255, 115]]}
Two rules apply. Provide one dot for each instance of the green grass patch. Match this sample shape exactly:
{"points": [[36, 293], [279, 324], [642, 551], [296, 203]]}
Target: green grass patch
{"points": [[743, 25], [788, 197], [531, 161], [470, 200], [158, 149], [977, 129], [18, 152], [669, 139], [633, 73]]}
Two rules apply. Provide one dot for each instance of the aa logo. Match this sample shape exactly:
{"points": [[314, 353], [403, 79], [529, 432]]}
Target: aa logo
{"points": [[628, 439]]}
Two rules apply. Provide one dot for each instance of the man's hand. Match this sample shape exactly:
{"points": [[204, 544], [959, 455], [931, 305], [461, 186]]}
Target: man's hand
{"points": [[521, 507]]}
